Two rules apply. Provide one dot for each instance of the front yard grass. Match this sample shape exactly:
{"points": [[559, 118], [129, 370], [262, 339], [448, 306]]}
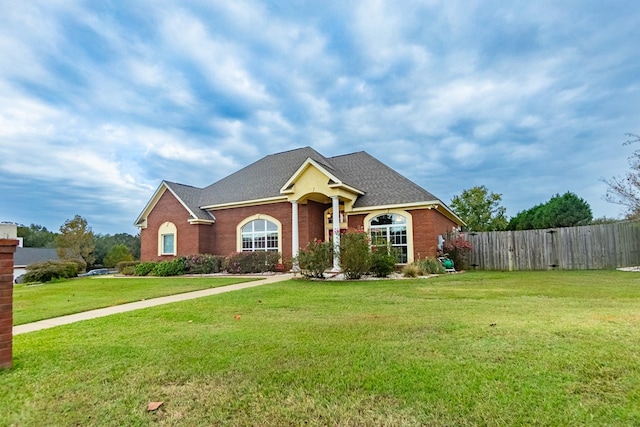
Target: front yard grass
{"points": [[44, 301], [491, 349]]}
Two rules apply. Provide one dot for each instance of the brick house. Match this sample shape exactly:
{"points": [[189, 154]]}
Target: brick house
{"points": [[285, 200]]}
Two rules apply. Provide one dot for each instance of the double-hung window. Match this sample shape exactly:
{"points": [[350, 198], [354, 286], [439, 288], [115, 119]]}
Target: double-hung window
{"points": [[168, 244]]}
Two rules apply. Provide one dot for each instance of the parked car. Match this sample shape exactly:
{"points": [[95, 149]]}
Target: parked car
{"points": [[96, 272]]}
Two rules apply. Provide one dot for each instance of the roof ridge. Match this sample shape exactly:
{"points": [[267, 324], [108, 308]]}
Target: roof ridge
{"points": [[350, 154], [183, 185]]}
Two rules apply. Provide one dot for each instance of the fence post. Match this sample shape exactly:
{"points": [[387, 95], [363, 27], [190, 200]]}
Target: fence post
{"points": [[511, 249]]}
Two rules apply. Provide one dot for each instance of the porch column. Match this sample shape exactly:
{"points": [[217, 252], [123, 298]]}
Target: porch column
{"points": [[336, 233], [295, 240]]}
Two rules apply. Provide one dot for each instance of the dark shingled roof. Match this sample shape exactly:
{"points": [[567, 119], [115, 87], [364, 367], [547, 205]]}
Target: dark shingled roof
{"points": [[190, 196], [381, 184], [266, 177]]}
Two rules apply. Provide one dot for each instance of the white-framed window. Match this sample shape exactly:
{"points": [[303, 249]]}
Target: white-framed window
{"points": [[389, 232], [260, 235], [168, 243], [167, 239]]}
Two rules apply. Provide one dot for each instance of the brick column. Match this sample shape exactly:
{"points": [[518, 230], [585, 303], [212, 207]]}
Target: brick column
{"points": [[7, 248]]}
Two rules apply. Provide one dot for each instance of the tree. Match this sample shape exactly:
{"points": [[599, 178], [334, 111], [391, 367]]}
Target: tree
{"points": [[117, 254], [480, 209], [104, 242], [625, 190], [76, 240], [37, 236], [567, 210]]}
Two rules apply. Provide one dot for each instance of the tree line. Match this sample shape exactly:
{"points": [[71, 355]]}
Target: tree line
{"points": [[76, 240], [481, 210]]}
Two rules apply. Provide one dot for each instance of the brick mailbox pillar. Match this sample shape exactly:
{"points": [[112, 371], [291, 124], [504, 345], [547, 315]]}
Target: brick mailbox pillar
{"points": [[7, 249]]}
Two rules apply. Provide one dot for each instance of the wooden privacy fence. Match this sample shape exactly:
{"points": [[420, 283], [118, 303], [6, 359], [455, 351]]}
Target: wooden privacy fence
{"points": [[605, 246]]}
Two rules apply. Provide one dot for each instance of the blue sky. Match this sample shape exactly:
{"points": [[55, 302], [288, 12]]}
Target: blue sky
{"points": [[101, 101]]}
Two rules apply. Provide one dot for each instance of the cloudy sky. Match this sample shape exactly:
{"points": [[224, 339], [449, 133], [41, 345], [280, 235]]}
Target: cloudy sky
{"points": [[101, 101]]}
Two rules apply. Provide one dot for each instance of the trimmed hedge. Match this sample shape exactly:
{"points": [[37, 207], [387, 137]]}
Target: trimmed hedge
{"points": [[174, 267], [144, 268], [237, 263], [251, 262], [203, 264], [125, 265]]}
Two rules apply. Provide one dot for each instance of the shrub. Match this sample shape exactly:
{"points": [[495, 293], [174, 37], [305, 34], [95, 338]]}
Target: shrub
{"points": [[411, 270], [203, 264], [50, 270], [383, 261], [144, 268], [251, 262], [457, 248], [80, 264], [128, 270], [175, 267], [125, 264], [355, 257], [430, 266], [315, 258]]}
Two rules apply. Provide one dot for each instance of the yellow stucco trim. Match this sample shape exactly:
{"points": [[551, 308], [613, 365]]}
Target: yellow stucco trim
{"points": [[253, 218], [409, 223], [312, 180]]}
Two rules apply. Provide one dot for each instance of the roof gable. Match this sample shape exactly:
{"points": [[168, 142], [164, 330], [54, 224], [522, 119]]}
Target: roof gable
{"points": [[261, 180], [188, 197], [310, 175]]}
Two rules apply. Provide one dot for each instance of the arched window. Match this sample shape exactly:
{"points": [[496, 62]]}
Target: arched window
{"points": [[389, 231], [260, 235], [167, 239]]}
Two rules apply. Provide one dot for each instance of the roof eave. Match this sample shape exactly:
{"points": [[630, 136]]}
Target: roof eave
{"points": [[141, 221], [265, 201], [429, 204]]}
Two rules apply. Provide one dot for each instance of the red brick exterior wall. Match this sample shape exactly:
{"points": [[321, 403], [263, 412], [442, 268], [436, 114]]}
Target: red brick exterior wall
{"points": [[311, 222], [227, 221], [191, 239], [221, 238], [7, 248], [427, 225], [356, 222]]}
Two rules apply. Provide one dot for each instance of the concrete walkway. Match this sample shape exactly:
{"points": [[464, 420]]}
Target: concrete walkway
{"points": [[101, 312]]}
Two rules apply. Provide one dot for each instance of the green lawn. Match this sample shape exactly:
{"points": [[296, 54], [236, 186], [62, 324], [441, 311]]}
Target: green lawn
{"points": [[491, 349], [44, 301]]}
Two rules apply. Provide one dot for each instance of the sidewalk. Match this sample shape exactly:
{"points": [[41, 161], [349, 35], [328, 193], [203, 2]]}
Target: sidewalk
{"points": [[101, 312]]}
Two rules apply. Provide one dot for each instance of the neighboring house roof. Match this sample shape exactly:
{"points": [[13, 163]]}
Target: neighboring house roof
{"points": [[25, 256], [263, 180]]}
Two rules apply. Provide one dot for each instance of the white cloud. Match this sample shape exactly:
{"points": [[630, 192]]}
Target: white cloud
{"points": [[219, 59]]}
